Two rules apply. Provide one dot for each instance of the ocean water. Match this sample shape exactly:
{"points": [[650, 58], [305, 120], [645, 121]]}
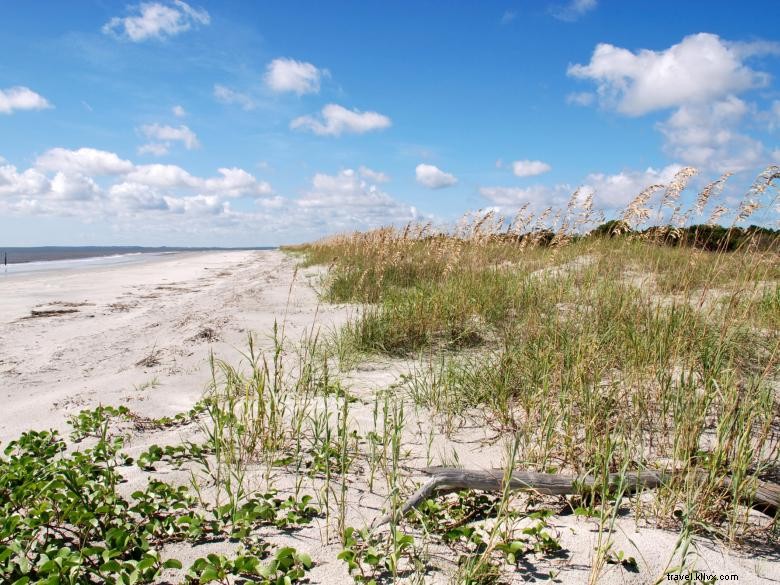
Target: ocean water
{"points": [[18, 260]]}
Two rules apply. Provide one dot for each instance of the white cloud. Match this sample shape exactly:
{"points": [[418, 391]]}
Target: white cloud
{"points": [[30, 182], [167, 134], [154, 148], [232, 182], [433, 177], [139, 201], [275, 202], [574, 10], [706, 136], [227, 95], [21, 98], [581, 98], [613, 191], [198, 204], [539, 195], [530, 168], [139, 205], [617, 190], [289, 75], [167, 176], [701, 68], [372, 175], [136, 197], [63, 184], [236, 182], [346, 202], [87, 161], [179, 111], [337, 119], [157, 20], [74, 187], [699, 79], [508, 16]]}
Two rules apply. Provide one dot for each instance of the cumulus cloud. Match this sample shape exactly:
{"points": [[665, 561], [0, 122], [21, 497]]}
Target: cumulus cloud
{"points": [[701, 68], [574, 10], [167, 134], [62, 183], [141, 199], [155, 20], [699, 79], [235, 182], [610, 191], [29, 182], [336, 120], [289, 75], [345, 201], [21, 98], [136, 197], [615, 191], [530, 168], [539, 195], [159, 175], [707, 136], [227, 95], [87, 161], [179, 111], [433, 177], [231, 182], [74, 187]]}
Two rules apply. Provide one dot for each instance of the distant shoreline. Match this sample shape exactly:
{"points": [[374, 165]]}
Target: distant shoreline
{"points": [[24, 254]]}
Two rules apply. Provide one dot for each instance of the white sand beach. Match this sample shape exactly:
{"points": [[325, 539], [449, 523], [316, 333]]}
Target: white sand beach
{"points": [[175, 308]]}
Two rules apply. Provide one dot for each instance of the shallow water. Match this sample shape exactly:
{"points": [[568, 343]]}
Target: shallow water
{"points": [[27, 260]]}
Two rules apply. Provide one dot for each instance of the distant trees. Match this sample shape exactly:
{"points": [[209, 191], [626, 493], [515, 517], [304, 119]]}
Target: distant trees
{"points": [[705, 237]]}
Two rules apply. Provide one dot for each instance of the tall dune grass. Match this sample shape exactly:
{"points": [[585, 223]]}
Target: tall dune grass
{"points": [[622, 349]]}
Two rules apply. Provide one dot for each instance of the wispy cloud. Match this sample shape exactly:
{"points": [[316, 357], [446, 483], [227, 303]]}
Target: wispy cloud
{"points": [[168, 134], [227, 95], [574, 10], [581, 98], [155, 20], [336, 120]]}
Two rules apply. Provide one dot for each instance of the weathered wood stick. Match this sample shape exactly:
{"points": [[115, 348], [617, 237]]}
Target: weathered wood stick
{"points": [[450, 479]]}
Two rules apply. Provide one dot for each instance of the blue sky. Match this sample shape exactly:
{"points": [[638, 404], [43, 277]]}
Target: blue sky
{"points": [[248, 123]]}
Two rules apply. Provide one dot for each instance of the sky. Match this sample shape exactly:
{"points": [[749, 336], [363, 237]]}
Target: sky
{"points": [[262, 123]]}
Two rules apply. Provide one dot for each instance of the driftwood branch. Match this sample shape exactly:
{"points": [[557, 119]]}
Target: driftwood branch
{"points": [[449, 479]]}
